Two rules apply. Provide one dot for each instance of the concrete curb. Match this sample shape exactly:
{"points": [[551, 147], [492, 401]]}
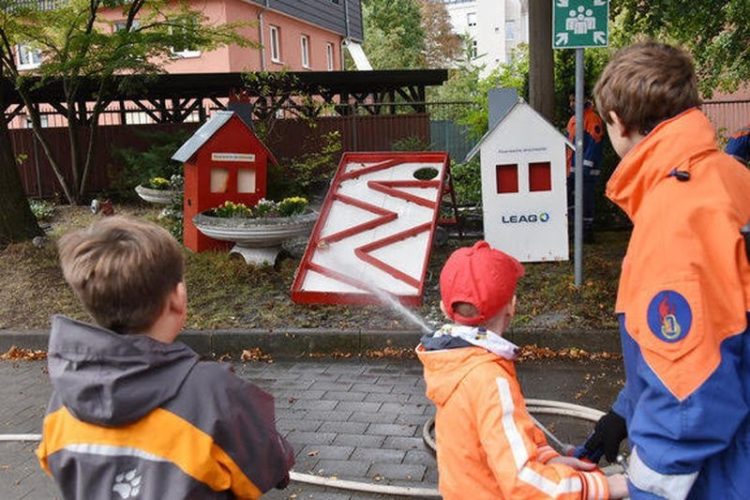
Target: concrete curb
{"points": [[293, 343]]}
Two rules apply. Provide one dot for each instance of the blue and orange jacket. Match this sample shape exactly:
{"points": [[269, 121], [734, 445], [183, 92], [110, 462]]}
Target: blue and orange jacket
{"points": [[739, 145], [593, 133], [682, 304], [131, 417]]}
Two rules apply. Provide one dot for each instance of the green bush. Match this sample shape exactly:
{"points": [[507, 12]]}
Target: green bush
{"points": [[467, 182], [42, 210], [410, 143], [139, 166], [306, 173]]}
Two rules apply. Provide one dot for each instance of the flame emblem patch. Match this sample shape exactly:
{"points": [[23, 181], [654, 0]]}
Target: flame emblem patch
{"points": [[669, 316]]}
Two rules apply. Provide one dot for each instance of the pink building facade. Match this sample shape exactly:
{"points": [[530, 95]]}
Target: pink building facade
{"points": [[284, 42]]}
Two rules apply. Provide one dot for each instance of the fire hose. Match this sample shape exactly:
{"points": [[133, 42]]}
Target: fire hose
{"points": [[535, 406]]}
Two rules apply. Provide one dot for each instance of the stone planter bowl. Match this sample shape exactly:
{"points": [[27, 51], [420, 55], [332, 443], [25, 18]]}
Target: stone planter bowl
{"points": [[158, 196], [259, 241]]}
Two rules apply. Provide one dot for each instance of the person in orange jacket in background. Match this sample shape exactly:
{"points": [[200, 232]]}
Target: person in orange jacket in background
{"points": [[487, 444], [683, 301], [593, 136]]}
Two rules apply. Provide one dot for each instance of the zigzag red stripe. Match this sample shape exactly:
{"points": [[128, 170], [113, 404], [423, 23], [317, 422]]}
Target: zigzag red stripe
{"points": [[386, 187], [368, 170], [363, 253], [386, 216]]}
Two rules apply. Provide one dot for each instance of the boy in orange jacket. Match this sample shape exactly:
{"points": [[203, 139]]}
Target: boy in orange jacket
{"points": [[487, 445], [683, 301]]}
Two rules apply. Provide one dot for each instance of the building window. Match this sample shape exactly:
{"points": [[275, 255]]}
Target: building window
{"points": [[275, 44], [471, 19], [184, 48], [329, 56], [474, 49], [305, 50], [28, 58], [510, 30]]}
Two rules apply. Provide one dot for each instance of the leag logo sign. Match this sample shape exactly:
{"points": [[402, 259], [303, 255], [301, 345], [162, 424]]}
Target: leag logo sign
{"points": [[525, 218]]}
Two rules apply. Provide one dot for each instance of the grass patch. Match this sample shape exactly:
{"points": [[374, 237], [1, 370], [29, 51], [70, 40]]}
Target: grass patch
{"points": [[224, 292]]}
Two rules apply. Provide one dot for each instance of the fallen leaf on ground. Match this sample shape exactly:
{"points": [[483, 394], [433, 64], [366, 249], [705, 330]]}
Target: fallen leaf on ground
{"points": [[255, 354], [20, 354]]}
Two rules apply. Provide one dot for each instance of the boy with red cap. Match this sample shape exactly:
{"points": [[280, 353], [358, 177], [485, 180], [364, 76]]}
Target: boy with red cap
{"points": [[487, 445]]}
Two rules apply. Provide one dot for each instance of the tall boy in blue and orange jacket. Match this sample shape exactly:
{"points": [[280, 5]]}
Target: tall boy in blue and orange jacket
{"points": [[683, 301]]}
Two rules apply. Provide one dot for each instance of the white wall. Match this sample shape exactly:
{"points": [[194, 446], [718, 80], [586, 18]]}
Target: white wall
{"points": [[531, 226]]}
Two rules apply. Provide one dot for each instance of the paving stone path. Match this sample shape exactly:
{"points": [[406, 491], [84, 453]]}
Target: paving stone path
{"points": [[353, 419]]}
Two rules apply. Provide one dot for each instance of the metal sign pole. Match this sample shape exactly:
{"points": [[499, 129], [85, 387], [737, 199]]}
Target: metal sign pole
{"points": [[578, 170]]}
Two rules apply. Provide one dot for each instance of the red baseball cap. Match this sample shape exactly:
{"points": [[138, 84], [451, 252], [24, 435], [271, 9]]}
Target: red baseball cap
{"points": [[481, 276]]}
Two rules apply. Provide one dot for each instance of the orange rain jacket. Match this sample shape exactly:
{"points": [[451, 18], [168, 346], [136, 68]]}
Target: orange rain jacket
{"points": [[487, 445], [683, 304]]}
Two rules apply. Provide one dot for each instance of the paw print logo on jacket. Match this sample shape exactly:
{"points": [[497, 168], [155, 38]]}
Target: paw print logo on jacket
{"points": [[127, 484]]}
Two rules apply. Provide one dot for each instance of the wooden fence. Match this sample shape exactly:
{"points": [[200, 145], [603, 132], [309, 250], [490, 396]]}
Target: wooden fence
{"points": [[289, 138]]}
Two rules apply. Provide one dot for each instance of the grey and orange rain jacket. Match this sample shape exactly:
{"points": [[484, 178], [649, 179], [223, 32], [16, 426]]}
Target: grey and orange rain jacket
{"points": [[133, 418], [683, 306]]}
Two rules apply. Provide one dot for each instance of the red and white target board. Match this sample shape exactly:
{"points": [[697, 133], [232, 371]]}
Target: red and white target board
{"points": [[375, 230]]}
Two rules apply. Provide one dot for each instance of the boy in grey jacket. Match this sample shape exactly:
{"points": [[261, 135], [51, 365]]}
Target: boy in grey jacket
{"points": [[133, 413]]}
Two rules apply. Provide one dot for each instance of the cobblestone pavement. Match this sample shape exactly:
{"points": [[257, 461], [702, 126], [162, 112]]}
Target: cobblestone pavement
{"points": [[353, 419]]}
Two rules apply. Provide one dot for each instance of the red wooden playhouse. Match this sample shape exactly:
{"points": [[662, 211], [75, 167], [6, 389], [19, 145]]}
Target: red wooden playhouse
{"points": [[223, 161]]}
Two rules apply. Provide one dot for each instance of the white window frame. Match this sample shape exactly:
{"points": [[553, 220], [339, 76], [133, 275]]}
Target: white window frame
{"points": [[275, 41], [304, 45], [33, 56], [184, 54], [471, 19], [329, 56]]}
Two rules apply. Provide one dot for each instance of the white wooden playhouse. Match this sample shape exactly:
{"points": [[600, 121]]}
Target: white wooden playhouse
{"points": [[523, 181]]}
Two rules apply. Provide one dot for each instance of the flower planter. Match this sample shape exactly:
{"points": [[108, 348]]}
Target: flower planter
{"points": [[158, 196], [257, 240]]}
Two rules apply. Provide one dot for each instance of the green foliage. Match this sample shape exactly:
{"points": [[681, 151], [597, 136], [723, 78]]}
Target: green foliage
{"points": [[394, 37], [410, 143], [42, 210], [466, 84], [264, 208], [467, 182], [158, 183], [308, 172], [172, 216], [292, 206], [287, 207], [140, 167], [83, 48], [715, 31], [230, 209]]}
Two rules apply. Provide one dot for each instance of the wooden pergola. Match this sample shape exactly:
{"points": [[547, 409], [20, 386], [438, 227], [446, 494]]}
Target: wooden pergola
{"points": [[172, 98]]}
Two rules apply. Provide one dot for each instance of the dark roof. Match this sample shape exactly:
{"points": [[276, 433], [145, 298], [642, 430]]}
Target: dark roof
{"points": [[343, 17], [173, 86]]}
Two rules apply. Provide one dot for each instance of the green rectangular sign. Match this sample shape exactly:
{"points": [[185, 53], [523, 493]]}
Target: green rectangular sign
{"points": [[580, 23]]}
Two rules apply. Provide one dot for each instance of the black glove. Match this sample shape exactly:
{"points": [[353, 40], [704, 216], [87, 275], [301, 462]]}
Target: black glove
{"points": [[609, 432]]}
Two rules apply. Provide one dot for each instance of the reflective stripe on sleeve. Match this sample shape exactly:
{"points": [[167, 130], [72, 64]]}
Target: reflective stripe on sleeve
{"points": [[669, 486], [521, 454]]}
